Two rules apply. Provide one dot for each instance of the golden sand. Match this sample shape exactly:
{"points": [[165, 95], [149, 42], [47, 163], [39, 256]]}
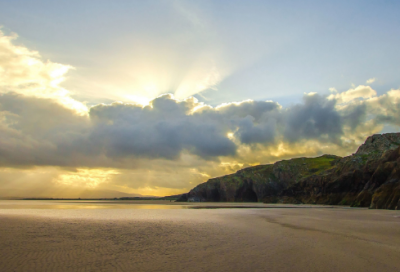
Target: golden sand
{"points": [[274, 239]]}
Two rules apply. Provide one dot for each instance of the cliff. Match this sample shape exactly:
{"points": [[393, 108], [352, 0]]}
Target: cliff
{"points": [[368, 178]]}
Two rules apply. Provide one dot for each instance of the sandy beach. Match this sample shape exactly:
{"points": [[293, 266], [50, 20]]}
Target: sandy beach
{"points": [[66, 236]]}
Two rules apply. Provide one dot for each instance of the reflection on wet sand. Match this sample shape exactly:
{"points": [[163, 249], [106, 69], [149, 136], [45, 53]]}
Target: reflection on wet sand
{"points": [[137, 204]]}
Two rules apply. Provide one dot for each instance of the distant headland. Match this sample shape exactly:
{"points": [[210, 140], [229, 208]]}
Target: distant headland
{"points": [[368, 178]]}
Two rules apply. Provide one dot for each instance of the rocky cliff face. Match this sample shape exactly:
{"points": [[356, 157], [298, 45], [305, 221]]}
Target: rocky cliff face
{"points": [[364, 179], [382, 191], [368, 178], [258, 183]]}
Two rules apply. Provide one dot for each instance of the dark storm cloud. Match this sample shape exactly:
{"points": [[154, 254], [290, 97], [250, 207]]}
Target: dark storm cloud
{"points": [[354, 115], [37, 131], [315, 118], [161, 130], [250, 132]]}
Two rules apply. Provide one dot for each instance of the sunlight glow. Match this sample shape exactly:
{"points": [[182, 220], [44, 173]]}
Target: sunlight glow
{"points": [[90, 178], [158, 191], [141, 100], [28, 74], [233, 103], [197, 172]]}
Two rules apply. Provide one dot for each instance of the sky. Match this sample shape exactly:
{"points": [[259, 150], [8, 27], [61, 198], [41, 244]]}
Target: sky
{"points": [[118, 98]]}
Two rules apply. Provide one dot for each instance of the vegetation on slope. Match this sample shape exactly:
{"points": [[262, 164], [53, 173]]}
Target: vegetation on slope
{"points": [[368, 178]]}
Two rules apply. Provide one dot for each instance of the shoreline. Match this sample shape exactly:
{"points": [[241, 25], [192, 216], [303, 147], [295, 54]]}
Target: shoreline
{"points": [[153, 204]]}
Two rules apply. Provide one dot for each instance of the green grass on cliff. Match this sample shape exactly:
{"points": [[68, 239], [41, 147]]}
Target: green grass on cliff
{"points": [[297, 168], [304, 167], [318, 165]]}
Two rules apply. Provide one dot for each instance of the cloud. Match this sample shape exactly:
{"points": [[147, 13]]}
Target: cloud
{"points": [[386, 108], [41, 127], [61, 183], [371, 80], [168, 145], [23, 71], [316, 118], [86, 177], [161, 130], [155, 148], [333, 90], [39, 131], [359, 92]]}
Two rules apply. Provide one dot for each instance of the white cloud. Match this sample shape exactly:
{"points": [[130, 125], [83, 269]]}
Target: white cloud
{"points": [[359, 92], [23, 71], [333, 90], [371, 80]]}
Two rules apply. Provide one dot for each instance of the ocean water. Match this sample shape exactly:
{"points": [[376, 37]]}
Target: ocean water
{"points": [[128, 204], [88, 204]]}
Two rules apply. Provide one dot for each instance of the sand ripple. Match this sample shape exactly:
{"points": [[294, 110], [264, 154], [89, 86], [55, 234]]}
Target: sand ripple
{"points": [[200, 240]]}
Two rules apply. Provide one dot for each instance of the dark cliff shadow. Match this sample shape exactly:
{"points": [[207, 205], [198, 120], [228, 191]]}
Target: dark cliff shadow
{"points": [[247, 194]]}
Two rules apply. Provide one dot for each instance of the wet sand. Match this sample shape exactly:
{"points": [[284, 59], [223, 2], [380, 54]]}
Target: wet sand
{"points": [[297, 238]]}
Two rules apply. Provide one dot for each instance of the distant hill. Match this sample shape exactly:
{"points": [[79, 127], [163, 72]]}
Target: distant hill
{"points": [[97, 195], [368, 178], [172, 197], [71, 194]]}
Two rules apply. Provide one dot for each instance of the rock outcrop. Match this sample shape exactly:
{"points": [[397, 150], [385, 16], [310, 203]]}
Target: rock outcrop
{"points": [[258, 183], [368, 178]]}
